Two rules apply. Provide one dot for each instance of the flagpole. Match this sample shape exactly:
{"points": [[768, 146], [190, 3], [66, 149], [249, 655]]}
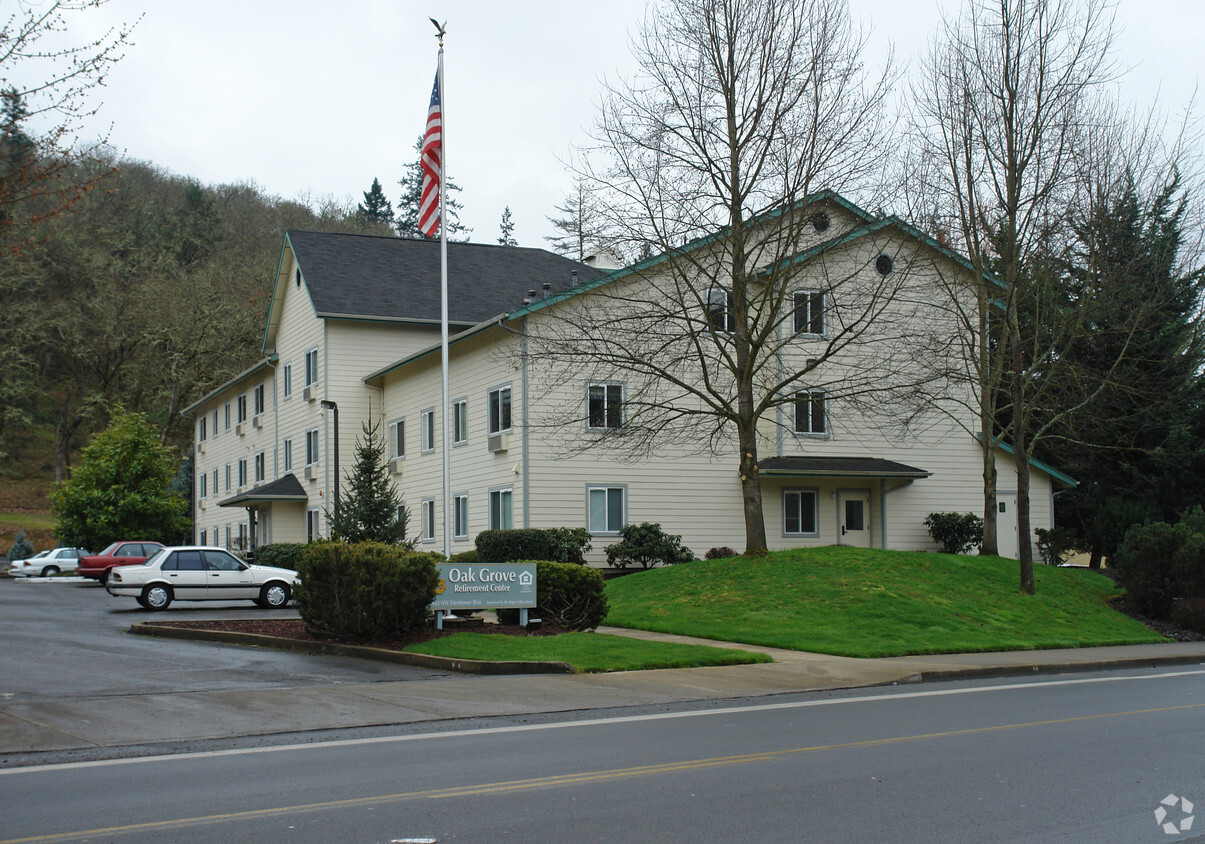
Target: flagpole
{"points": [[443, 303]]}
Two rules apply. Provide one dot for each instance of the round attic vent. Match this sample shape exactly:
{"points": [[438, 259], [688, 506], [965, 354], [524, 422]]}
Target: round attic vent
{"points": [[883, 264], [820, 222]]}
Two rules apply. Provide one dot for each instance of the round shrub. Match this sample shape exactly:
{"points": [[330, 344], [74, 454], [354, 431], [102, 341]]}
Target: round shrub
{"points": [[646, 545], [721, 553], [567, 595], [364, 592], [956, 533]]}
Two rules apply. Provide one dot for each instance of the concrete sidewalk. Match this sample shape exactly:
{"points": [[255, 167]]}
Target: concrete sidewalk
{"points": [[89, 723]]}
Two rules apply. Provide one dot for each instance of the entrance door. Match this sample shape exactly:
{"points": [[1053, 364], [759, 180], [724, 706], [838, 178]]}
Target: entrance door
{"points": [[854, 518], [1006, 525]]}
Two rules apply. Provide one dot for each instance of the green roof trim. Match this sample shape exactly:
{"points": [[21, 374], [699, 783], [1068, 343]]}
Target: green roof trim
{"points": [[1038, 464], [246, 373]]}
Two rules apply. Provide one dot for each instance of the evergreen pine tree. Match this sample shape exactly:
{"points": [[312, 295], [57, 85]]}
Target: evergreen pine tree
{"points": [[370, 509], [21, 548], [406, 221], [580, 224], [507, 229], [376, 208]]}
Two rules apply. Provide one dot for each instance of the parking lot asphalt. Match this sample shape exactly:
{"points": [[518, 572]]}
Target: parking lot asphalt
{"points": [[226, 691]]}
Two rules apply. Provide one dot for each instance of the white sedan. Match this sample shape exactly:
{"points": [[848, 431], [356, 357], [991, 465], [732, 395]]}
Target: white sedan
{"points": [[197, 573], [47, 563]]}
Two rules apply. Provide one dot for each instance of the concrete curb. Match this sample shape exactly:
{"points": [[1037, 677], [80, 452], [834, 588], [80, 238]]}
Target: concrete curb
{"points": [[168, 630], [937, 675]]}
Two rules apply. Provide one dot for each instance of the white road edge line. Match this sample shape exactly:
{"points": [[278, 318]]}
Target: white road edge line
{"points": [[592, 722]]}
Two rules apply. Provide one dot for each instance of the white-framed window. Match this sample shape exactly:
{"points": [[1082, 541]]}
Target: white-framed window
{"points": [[215, 423], [311, 446], [203, 487], [720, 314], [811, 413], [502, 508], [604, 406], [242, 408], [499, 410], [606, 508], [286, 381], [215, 480], [201, 428], [396, 431], [460, 422], [288, 455], [460, 516], [799, 512], [427, 508], [311, 366], [426, 426], [258, 394], [228, 477], [204, 536], [227, 426], [242, 471], [261, 467], [227, 536], [311, 525], [809, 312]]}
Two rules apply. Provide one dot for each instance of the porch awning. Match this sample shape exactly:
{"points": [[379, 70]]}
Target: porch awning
{"points": [[287, 488], [837, 467]]}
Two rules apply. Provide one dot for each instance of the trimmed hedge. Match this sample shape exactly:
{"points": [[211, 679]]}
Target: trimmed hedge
{"points": [[364, 592], [1158, 563], [285, 555], [563, 545], [567, 595]]}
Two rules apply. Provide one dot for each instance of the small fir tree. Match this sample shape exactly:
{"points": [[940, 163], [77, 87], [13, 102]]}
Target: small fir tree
{"points": [[376, 208], [506, 236], [370, 510], [406, 222], [22, 548]]}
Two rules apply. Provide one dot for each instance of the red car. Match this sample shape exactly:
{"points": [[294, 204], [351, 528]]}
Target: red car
{"points": [[99, 565]]}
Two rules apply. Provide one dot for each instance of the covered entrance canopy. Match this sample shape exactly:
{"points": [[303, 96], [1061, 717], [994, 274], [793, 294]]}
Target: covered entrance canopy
{"points": [[287, 488], [838, 467]]}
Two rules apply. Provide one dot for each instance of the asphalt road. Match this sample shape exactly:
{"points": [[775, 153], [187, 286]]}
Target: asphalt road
{"points": [[71, 639], [1069, 759]]}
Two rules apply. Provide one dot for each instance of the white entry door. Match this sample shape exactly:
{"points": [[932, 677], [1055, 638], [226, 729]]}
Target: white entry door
{"points": [[1006, 524], [853, 517]]}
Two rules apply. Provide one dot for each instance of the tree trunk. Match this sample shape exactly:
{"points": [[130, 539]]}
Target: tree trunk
{"points": [[755, 522], [1021, 455]]}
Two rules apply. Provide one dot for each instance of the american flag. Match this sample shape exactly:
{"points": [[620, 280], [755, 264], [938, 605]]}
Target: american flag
{"points": [[431, 159]]}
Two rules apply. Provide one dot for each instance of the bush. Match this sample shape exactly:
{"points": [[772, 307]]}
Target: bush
{"points": [[562, 545], [365, 592], [646, 545], [1057, 544], [956, 533], [22, 549], [1189, 613], [1158, 563], [463, 557], [719, 553], [285, 555], [567, 595]]}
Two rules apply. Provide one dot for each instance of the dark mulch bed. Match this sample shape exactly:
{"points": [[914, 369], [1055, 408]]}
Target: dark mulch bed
{"points": [[1163, 626], [294, 628]]}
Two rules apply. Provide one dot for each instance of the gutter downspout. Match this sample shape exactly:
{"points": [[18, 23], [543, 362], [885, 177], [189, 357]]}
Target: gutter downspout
{"points": [[525, 485], [883, 507]]}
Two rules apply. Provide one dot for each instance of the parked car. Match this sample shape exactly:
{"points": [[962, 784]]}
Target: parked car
{"points": [[199, 573], [47, 563], [98, 566]]}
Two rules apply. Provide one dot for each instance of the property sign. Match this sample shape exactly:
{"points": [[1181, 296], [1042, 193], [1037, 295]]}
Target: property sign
{"points": [[485, 586]]}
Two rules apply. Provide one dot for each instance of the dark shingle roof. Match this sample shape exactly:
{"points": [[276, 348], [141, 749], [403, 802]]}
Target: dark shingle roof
{"points": [[841, 467], [391, 278], [287, 488]]}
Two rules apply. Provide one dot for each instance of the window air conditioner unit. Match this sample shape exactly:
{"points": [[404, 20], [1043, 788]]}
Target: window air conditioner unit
{"points": [[309, 393], [201, 447], [203, 504], [499, 442], [238, 429], [395, 466], [257, 421], [311, 472]]}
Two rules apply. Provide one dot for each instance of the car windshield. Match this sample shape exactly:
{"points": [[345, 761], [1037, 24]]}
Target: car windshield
{"points": [[109, 551], [154, 558]]}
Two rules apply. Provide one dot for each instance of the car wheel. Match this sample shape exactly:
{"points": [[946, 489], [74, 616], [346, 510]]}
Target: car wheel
{"points": [[104, 577], [142, 602], [157, 596], [273, 596], [50, 571]]}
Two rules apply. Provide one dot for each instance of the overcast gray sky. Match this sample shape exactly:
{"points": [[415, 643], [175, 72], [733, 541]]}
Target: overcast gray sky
{"points": [[314, 97]]}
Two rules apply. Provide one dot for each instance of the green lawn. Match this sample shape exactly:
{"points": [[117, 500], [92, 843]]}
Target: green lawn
{"points": [[586, 652], [872, 603]]}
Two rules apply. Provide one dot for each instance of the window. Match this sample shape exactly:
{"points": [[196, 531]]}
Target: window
{"points": [[242, 471], [605, 506], [605, 409], [201, 428], [460, 516], [311, 447], [809, 412], [499, 405], [460, 422], [501, 509], [228, 477], [809, 312], [227, 416], [427, 428], [288, 456], [719, 310], [397, 438], [311, 525], [215, 421], [261, 469], [227, 536], [204, 537], [202, 489], [215, 480], [799, 512], [311, 367], [258, 393], [428, 513], [286, 381], [242, 408]]}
